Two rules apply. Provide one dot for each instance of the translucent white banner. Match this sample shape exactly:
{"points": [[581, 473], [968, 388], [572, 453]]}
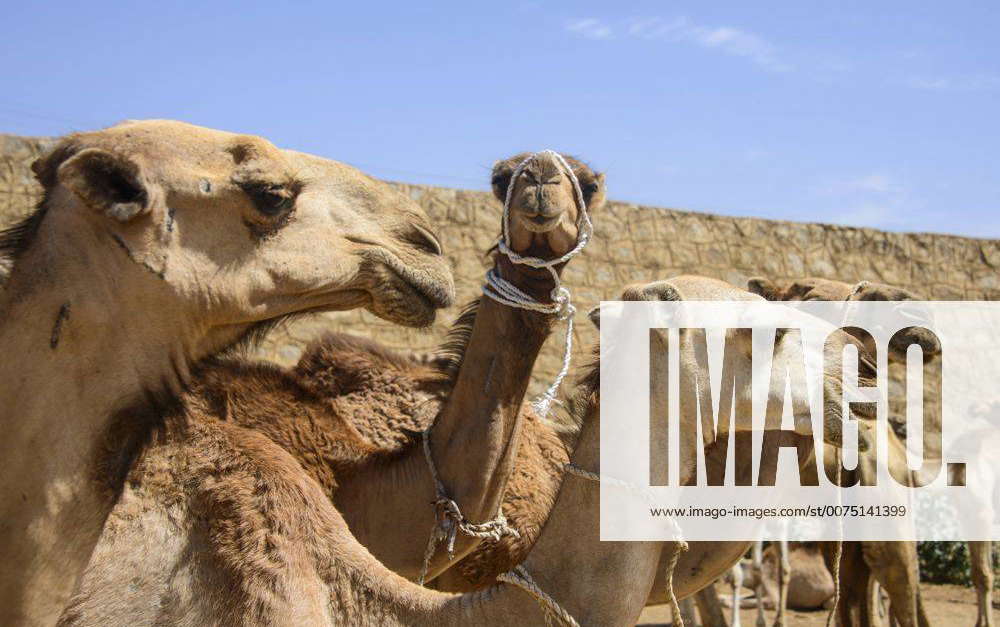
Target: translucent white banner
{"points": [[808, 421]]}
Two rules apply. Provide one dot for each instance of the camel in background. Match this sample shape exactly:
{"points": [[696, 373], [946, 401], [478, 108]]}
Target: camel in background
{"points": [[157, 244], [893, 564]]}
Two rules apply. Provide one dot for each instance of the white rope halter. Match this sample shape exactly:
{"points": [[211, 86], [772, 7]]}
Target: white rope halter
{"points": [[502, 291]]}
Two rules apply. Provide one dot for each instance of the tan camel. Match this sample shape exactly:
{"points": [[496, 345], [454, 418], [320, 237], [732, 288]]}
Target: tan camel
{"points": [[159, 243], [815, 289], [696, 568], [893, 564], [810, 585]]}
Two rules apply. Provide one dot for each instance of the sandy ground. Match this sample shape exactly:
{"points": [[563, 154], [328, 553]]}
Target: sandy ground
{"points": [[947, 606]]}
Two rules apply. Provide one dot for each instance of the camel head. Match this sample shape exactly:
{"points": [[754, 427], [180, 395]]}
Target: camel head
{"points": [[544, 210], [824, 289], [787, 347], [232, 231]]}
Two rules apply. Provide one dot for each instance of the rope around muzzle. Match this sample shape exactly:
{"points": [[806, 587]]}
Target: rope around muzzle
{"points": [[449, 517]]}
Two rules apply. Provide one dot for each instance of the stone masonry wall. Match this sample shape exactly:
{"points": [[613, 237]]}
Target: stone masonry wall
{"points": [[631, 244]]}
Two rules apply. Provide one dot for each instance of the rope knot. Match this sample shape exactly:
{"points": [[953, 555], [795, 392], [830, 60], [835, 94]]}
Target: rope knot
{"points": [[449, 520]]}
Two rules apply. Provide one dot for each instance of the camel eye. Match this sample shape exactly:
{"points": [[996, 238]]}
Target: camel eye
{"points": [[270, 199]]}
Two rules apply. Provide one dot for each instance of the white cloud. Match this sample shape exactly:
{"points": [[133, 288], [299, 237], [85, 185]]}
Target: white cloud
{"points": [[867, 184], [591, 28], [727, 39], [976, 82]]}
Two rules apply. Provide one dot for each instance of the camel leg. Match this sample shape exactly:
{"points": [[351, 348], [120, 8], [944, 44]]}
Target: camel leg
{"points": [[784, 574], [688, 615], [982, 578], [737, 589], [758, 565], [874, 606], [854, 574], [709, 607], [894, 564]]}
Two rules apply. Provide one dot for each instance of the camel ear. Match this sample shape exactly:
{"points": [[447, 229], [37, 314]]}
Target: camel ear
{"points": [[595, 316], [763, 287], [593, 188], [106, 182], [655, 291], [502, 173], [46, 166], [860, 287]]}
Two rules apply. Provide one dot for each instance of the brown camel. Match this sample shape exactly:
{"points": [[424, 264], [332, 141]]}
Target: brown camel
{"points": [[892, 564], [477, 434], [259, 542], [263, 534], [156, 244], [476, 394]]}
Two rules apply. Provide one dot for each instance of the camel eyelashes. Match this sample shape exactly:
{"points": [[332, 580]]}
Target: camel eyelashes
{"points": [[271, 199]]}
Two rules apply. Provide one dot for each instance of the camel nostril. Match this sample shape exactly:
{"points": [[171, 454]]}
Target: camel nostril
{"points": [[426, 240]]}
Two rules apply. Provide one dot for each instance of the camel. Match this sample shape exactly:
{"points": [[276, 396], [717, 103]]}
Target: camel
{"points": [[249, 560], [157, 244], [477, 453], [262, 544], [815, 289], [697, 567], [810, 585], [476, 396], [893, 564]]}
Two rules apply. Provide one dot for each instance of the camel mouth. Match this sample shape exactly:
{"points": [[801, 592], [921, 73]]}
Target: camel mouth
{"points": [[540, 223], [409, 295]]}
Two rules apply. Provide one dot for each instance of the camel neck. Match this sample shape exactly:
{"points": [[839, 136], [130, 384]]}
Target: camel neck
{"points": [[568, 560], [474, 439], [71, 316]]}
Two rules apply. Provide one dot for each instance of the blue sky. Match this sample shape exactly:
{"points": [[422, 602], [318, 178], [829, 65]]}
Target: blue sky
{"points": [[880, 114]]}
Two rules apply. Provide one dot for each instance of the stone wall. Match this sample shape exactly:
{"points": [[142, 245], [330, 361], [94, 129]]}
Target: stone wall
{"points": [[632, 243]]}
